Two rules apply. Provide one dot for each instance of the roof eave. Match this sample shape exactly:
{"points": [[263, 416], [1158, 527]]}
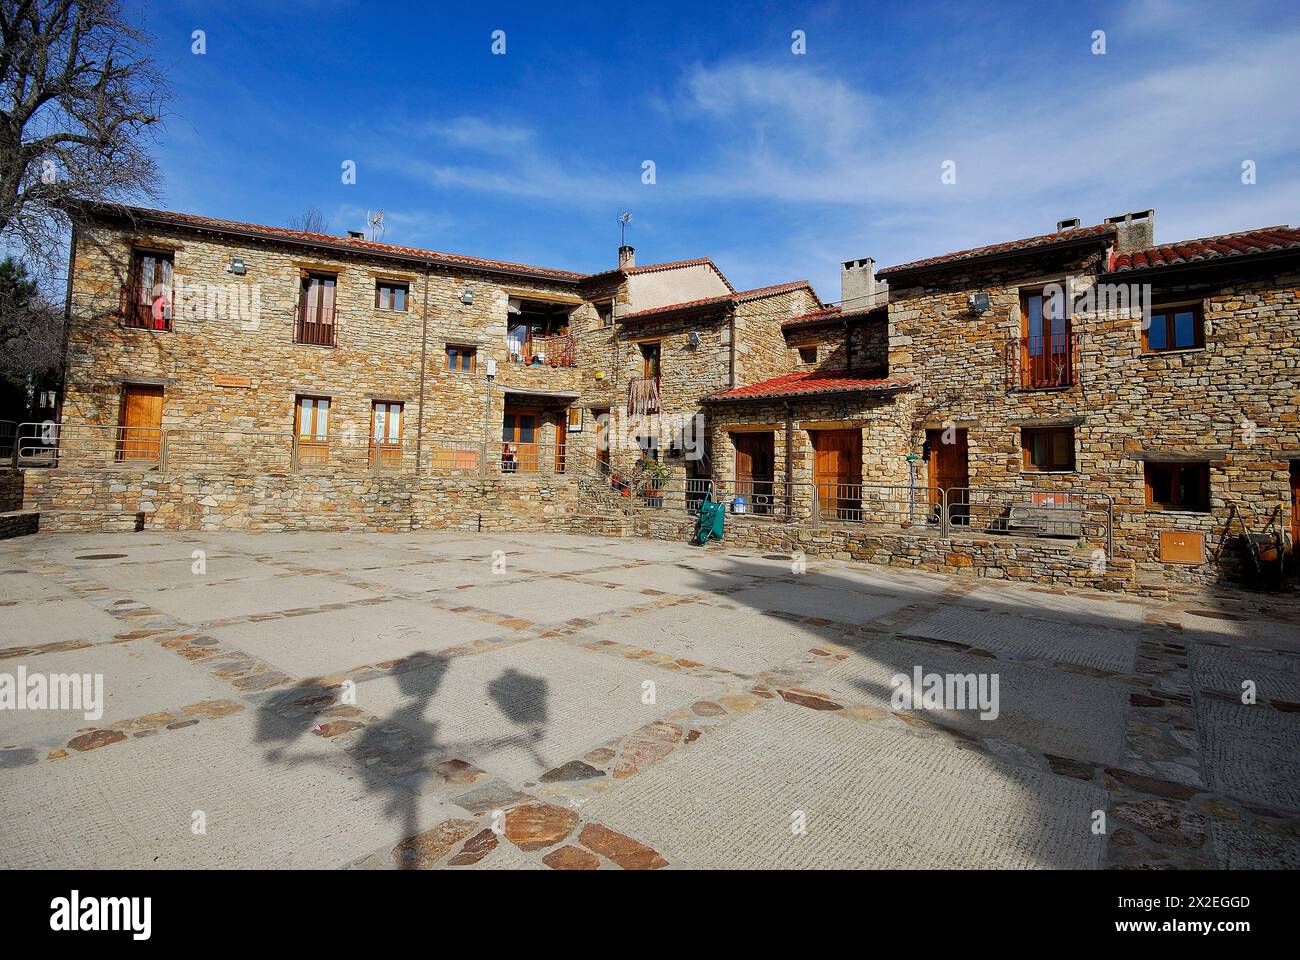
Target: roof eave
{"points": [[113, 213], [1207, 263], [813, 394], [904, 272]]}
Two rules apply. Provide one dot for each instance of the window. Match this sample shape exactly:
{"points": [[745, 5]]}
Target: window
{"points": [[149, 294], [808, 354], [1178, 486], [1048, 448], [315, 321], [604, 314], [1179, 327], [537, 333], [390, 295], [574, 419], [461, 359], [1046, 344], [313, 418], [385, 434]]}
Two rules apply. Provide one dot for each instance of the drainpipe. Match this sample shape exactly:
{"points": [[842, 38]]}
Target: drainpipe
{"points": [[731, 359], [789, 458], [424, 345]]}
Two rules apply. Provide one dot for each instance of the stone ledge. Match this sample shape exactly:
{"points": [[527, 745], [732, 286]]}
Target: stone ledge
{"points": [[19, 523]]}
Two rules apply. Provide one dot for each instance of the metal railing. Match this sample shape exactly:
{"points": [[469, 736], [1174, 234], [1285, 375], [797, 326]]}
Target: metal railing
{"points": [[154, 313], [896, 505], [1045, 362], [557, 351], [1032, 512], [642, 396], [314, 325], [780, 501], [46, 443]]}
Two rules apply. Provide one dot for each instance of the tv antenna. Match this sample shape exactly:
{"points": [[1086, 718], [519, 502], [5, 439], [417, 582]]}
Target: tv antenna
{"points": [[624, 219], [376, 222]]}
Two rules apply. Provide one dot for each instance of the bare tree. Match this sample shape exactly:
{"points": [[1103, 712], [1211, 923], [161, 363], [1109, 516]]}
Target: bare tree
{"points": [[78, 95], [311, 221]]}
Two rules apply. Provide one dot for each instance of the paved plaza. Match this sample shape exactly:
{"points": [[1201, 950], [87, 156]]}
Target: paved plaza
{"points": [[542, 701]]}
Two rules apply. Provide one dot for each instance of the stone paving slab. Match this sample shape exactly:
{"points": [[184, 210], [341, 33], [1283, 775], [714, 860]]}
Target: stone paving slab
{"points": [[538, 599], [438, 575], [54, 621], [130, 805], [844, 605], [519, 711], [139, 677], [664, 577], [128, 576], [333, 641], [207, 602], [1276, 675], [1251, 752], [1042, 605], [1248, 632], [719, 638], [1064, 714], [1238, 846], [872, 799], [1090, 646], [19, 586], [557, 561]]}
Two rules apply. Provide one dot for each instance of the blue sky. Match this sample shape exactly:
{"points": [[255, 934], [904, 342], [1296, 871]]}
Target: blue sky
{"points": [[777, 165]]}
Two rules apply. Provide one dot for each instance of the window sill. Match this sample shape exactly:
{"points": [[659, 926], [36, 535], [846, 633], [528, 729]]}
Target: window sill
{"points": [[1177, 512], [1181, 351], [1030, 472], [387, 310]]}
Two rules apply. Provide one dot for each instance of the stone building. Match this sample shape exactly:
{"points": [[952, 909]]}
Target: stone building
{"points": [[1081, 394]]}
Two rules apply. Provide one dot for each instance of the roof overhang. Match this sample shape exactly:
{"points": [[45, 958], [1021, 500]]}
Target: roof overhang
{"points": [[814, 394], [895, 274]]}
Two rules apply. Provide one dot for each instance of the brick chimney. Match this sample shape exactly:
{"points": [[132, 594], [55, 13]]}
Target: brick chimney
{"points": [[1137, 230], [626, 257], [859, 287]]}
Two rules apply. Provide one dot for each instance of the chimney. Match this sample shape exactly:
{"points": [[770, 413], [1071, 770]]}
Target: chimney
{"points": [[356, 235], [626, 257], [1071, 224], [859, 288], [1137, 230]]}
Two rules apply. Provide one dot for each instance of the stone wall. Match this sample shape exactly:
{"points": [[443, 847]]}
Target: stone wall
{"points": [[11, 490]]}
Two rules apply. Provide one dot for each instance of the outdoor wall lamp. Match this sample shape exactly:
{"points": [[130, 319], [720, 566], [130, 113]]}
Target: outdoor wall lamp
{"points": [[467, 297], [978, 302], [693, 338], [237, 266]]}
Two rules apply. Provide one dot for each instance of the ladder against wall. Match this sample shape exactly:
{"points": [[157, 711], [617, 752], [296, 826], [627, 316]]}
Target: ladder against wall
{"points": [[1265, 550]]}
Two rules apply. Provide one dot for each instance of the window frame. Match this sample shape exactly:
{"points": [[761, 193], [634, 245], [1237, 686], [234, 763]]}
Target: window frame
{"points": [[1167, 313], [392, 285], [139, 305], [461, 350], [1027, 437], [802, 354], [1176, 469]]}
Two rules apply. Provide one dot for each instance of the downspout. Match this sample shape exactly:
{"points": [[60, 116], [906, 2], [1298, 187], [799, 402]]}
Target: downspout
{"points": [[731, 359], [424, 346], [67, 330], [789, 458]]}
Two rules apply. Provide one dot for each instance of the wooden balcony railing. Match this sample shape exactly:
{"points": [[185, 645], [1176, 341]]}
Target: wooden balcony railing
{"points": [[314, 325], [642, 395], [1042, 363], [152, 313]]}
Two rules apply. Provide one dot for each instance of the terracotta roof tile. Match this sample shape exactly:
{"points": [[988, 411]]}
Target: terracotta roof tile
{"points": [[675, 307], [1013, 246], [1262, 240], [758, 293], [812, 383], [362, 246]]}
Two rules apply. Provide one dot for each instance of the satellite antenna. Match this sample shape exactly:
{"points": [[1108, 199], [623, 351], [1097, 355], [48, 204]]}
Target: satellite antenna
{"points": [[376, 221], [623, 219]]}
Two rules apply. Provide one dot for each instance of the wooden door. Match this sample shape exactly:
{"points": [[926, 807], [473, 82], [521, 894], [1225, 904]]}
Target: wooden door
{"points": [[837, 473], [561, 441], [519, 441], [949, 469], [386, 435], [1295, 511], [602, 440], [141, 422], [755, 469], [313, 417]]}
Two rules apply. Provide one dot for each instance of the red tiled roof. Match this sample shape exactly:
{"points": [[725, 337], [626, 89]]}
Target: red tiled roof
{"points": [[996, 249], [812, 383], [674, 265], [1262, 240], [323, 239], [744, 296], [758, 293], [676, 307]]}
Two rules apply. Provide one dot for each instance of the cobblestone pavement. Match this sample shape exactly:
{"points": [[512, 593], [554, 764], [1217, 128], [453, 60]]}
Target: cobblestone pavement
{"points": [[570, 702]]}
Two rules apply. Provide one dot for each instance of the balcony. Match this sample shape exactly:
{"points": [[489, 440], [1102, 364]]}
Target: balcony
{"points": [[642, 396], [556, 351], [314, 325], [1042, 363]]}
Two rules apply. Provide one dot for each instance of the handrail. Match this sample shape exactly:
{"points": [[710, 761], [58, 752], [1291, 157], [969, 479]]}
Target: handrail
{"points": [[1034, 511]]}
